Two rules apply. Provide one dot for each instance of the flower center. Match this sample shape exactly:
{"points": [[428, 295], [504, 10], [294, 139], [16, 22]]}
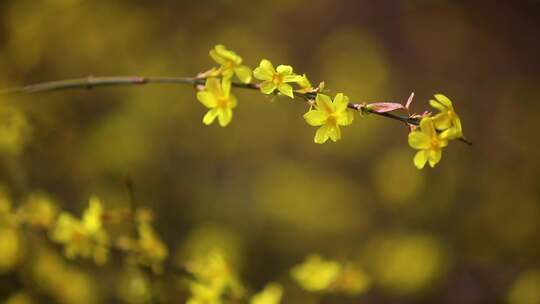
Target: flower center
{"points": [[277, 79], [331, 119], [435, 142], [223, 103], [229, 64]]}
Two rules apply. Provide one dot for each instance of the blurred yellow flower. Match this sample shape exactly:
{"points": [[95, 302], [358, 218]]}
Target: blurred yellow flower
{"points": [[152, 251], [14, 130], [276, 78], [39, 210], [428, 142], [134, 286], [526, 289], [447, 120], [329, 116], [214, 278], [218, 98], [64, 283], [407, 263], [316, 274], [10, 248], [86, 237], [231, 64], [351, 280], [271, 294]]}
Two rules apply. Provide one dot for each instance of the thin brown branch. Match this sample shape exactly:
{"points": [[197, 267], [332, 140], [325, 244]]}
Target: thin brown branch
{"points": [[94, 82]]}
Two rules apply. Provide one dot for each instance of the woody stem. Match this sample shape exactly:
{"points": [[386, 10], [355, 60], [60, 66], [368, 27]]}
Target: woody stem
{"points": [[91, 82]]}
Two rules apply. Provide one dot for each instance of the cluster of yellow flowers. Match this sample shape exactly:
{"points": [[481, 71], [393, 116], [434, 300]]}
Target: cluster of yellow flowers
{"points": [[434, 132], [324, 112], [37, 210], [211, 277], [83, 237], [87, 237]]}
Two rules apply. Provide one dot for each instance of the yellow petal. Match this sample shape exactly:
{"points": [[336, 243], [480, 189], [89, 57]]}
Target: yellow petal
{"points": [[419, 140], [226, 87], [271, 294], [292, 78], [284, 69], [345, 118], [92, 215], [265, 71], [341, 102], [444, 100], [268, 87], [334, 133], [434, 156], [267, 65], [243, 73], [213, 86], [217, 58], [286, 89], [227, 73], [207, 99], [225, 116], [321, 136], [457, 123], [420, 159], [315, 118], [427, 127], [304, 83], [232, 101], [437, 105], [324, 103], [451, 133], [227, 54], [442, 121], [443, 142], [210, 116]]}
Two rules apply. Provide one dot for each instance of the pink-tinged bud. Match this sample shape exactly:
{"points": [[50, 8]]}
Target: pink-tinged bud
{"points": [[409, 101], [383, 107]]}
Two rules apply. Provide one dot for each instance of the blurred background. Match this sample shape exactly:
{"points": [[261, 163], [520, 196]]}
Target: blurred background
{"points": [[260, 190]]}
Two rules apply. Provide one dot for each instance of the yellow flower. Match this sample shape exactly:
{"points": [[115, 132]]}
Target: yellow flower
{"points": [[428, 142], [39, 210], [86, 237], [276, 78], [271, 294], [11, 248], [152, 250], [316, 274], [15, 131], [447, 120], [218, 98], [231, 63], [351, 280], [92, 217], [329, 116], [213, 279], [305, 85]]}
